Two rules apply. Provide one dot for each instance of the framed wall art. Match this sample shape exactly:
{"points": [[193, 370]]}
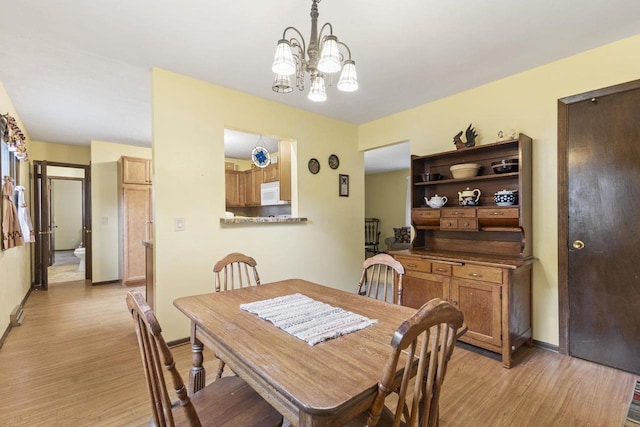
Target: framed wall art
{"points": [[343, 188]]}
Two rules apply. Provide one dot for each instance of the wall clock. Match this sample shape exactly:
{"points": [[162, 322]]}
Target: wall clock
{"points": [[334, 162], [314, 166]]}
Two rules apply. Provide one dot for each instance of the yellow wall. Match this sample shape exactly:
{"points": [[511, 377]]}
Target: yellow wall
{"points": [[386, 199], [63, 153], [104, 206], [189, 183], [15, 274], [526, 102]]}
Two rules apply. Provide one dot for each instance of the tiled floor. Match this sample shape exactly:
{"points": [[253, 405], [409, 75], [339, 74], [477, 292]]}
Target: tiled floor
{"points": [[65, 268]]}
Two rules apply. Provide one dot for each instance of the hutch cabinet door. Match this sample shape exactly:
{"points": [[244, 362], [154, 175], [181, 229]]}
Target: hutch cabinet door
{"points": [[480, 303], [419, 287]]}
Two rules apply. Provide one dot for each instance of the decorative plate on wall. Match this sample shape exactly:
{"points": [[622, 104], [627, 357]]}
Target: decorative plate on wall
{"points": [[334, 162], [260, 157], [314, 166]]}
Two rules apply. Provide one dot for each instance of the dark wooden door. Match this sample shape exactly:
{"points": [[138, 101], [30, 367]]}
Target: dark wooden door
{"points": [[602, 243], [86, 222], [42, 223]]}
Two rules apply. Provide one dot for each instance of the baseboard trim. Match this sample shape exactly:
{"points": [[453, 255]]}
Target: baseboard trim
{"points": [[9, 327], [4, 336], [24, 300], [179, 342], [546, 346], [107, 282]]}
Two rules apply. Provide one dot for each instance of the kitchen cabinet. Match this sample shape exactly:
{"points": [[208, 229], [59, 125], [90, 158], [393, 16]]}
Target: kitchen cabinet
{"points": [[135, 218], [476, 257], [252, 183], [234, 186], [136, 170], [136, 228], [271, 173]]}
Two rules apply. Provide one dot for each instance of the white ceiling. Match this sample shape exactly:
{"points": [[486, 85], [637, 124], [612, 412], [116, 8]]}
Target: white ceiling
{"points": [[79, 70]]}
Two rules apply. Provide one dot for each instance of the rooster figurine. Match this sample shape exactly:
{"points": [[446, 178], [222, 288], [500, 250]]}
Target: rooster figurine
{"points": [[470, 134]]}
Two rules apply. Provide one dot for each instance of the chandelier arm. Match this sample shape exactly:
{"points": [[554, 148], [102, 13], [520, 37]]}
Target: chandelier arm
{"points": [[346, 47], [304, 46], [328, 24]]}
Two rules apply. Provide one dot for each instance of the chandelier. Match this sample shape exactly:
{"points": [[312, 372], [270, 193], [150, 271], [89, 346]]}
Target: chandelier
{"points": [[321, 59]]}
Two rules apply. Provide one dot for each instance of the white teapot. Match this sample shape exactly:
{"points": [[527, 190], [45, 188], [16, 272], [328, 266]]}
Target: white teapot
{"points": [[436, 201], [469, 197]]}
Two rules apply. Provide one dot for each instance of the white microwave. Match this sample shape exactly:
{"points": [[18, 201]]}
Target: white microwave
{"points": [[270, 194]]}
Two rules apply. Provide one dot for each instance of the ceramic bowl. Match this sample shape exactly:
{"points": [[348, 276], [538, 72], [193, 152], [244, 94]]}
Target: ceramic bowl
{"points": [[465, 170], [505, 198], [426, 177], [505, 166]]}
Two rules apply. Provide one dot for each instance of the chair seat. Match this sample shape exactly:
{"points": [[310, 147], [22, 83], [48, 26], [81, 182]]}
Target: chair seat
{"points": [[230, 402]]}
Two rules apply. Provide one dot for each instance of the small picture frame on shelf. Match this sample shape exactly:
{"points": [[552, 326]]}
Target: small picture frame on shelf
{"points": [[343, 187]]}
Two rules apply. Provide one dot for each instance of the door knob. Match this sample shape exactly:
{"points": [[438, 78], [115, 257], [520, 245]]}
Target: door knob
{"points": [[578, 244]]}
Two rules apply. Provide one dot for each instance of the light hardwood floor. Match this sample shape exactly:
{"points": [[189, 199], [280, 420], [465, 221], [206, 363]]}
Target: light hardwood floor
{"points": [[75, 362]]}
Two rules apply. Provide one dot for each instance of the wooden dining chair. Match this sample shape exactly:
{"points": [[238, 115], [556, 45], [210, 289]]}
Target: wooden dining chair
{"points": [[235, 270], [371, 235], [225, 402], [381, 274], [426, 341]]}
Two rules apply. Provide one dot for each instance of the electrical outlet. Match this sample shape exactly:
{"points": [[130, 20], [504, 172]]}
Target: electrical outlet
{"points": [[179, 223]]}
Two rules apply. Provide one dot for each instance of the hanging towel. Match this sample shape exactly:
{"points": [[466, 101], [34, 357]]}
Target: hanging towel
{"points": [[11, 234], [24, 217]]}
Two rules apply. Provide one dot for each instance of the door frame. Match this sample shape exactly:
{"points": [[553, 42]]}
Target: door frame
{"points": [[563, 201], [86, 212]]}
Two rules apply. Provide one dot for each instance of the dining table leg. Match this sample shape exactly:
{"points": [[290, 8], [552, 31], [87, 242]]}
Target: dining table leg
{"points": [[197, 375]]}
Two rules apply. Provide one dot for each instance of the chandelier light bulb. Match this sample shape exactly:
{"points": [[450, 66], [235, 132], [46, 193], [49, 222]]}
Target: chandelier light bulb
{"points": [[318, 93], [283, 63], [348, 78], [282, 84], [330, 57]]}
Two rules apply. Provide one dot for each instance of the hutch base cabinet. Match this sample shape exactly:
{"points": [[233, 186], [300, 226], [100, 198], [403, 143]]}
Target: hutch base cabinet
{"points": [[477, 257], [494, 295]]}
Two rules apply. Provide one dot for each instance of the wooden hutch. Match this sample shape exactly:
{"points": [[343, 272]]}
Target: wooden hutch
{"points": [[477, 257]]}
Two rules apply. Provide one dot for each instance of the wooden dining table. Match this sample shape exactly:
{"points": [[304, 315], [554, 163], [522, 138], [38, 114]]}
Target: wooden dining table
{"points": [[326, 384]]}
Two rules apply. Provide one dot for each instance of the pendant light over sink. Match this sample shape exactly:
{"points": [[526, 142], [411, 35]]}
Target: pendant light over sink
{"points": [[321, 59]]}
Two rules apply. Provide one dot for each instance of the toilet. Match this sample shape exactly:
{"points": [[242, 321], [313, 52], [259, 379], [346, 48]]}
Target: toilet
{"points": [[80, 252]]}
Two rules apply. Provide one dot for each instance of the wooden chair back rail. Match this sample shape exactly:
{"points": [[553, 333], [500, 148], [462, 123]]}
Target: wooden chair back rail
{"points": [[235, 270], [378, 272], [430, 336]]}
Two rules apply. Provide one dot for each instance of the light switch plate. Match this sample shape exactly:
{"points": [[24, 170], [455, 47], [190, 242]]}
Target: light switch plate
{"points": [[179, 223]]}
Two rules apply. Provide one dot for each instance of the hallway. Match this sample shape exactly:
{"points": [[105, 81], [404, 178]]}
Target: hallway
{"points": [[75, 361]]}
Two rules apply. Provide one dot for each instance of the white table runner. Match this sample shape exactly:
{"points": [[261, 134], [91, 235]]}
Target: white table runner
{"points": [[307, 319]]}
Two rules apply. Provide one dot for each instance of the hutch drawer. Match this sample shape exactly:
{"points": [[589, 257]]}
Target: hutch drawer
{"points": [[478, 272]]}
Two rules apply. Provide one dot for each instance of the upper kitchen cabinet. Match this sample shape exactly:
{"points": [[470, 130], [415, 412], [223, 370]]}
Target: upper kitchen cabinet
{"points": [[136, 170]]}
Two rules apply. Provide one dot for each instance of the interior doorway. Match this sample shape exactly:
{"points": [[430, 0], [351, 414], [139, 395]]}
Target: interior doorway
{"points": [[62, 222], [598, 243], [386, 194], [66, 194]]}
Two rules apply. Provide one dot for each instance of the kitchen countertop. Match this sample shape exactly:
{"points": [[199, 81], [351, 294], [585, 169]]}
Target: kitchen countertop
{"points": [[262, 220]]}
